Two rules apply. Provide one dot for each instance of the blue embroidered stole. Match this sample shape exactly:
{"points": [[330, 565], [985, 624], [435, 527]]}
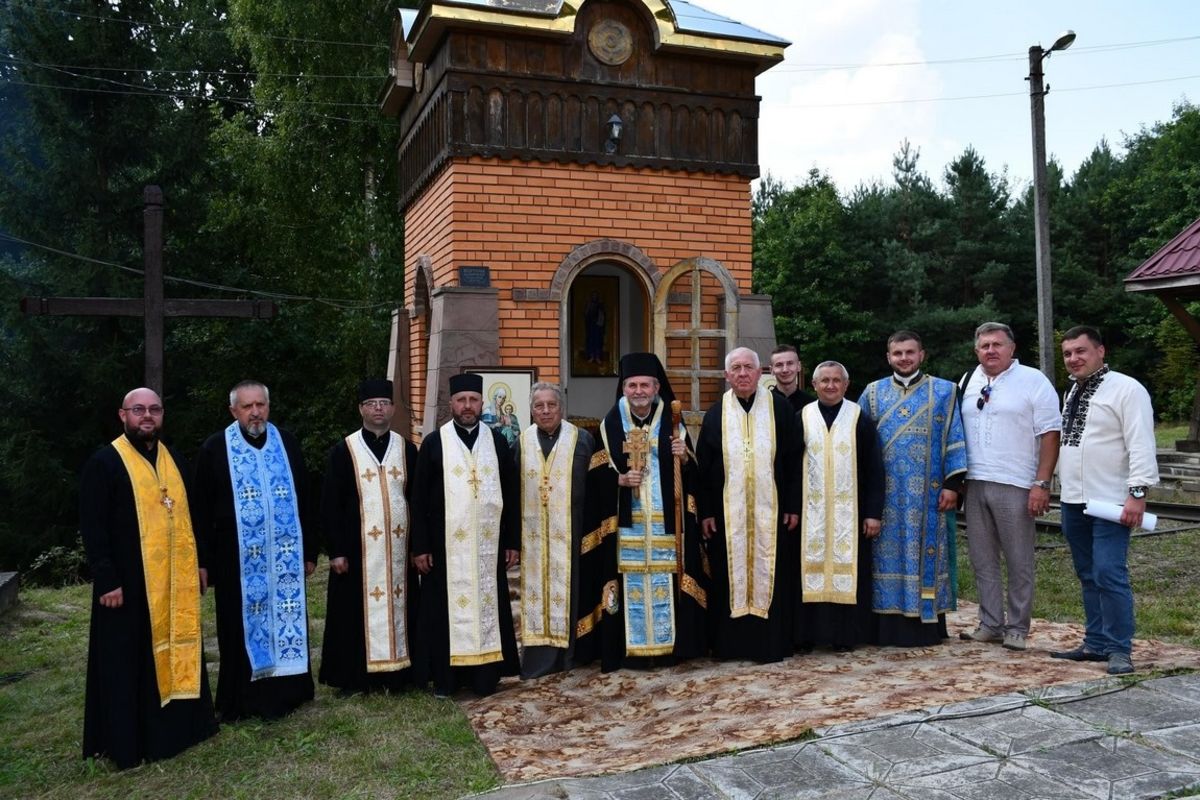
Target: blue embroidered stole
{"points": [[271, 555], [646, 557], [922, 438]]}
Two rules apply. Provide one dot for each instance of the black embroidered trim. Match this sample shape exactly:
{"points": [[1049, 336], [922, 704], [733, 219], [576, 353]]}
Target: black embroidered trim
{"points": [[1075, 409]]}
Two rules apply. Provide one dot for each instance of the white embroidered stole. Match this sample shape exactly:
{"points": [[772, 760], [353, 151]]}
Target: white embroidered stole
{"points": [[546, 538], [471, 490], [751, 502], [829, 516], [383, 515]]}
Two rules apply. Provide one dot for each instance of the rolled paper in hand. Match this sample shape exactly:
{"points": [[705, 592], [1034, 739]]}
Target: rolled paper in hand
{"points": [[1112, 513]]}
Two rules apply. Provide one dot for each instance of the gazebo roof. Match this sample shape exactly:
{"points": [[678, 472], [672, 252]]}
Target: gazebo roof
{"points": [[1175, 266]]}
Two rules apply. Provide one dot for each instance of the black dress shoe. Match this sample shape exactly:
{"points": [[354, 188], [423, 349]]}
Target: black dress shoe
{"points": [[1079, 654]]}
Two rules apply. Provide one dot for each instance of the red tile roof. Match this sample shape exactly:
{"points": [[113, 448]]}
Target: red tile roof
{"points": [[1178, 258]]}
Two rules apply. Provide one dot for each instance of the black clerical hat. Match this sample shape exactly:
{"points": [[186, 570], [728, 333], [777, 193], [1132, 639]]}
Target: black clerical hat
{"points": [[466, 382], [374, 387], [635, 364]]}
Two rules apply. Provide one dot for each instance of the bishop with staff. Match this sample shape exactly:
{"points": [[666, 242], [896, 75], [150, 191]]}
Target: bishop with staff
{"points": [[650, 608]]}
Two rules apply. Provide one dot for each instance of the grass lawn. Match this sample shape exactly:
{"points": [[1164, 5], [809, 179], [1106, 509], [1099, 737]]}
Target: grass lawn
{"points": [[411, 745], [1166, 434], [1162, 569]]}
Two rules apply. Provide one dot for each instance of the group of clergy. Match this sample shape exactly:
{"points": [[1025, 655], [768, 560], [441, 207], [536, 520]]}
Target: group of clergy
{"points": [[765, 538]]}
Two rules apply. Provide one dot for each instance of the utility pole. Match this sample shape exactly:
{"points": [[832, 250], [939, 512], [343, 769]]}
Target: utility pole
{"points": [[1047, 360]]}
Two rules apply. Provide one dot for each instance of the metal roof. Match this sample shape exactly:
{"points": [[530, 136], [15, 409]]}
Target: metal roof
{"points": [[1177, 263]]}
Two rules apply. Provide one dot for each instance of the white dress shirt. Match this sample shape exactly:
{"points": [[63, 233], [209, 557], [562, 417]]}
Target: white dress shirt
{"points": [[1002, 444]]}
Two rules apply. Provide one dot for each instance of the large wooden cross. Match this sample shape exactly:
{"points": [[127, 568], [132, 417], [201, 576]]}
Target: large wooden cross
{"points": [[153, 306]]}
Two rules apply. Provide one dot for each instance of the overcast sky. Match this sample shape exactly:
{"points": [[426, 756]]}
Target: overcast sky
{"points": [[849, 92]]}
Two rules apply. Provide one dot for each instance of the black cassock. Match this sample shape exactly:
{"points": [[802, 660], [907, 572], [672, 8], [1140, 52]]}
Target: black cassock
{"points": [[843, 625], [213, 513], [543, 660], [343, 649], [432, 651], [751, 637], [613, 505], [123, 716]]}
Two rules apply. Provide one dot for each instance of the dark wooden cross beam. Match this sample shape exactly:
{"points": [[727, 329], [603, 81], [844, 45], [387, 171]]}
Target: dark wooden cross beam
{"points": [[153, 307]]}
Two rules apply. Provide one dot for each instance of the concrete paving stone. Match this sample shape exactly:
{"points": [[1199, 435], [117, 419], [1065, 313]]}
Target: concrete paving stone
{"points": [[651, 776], [685, 784], [1070, 691], [1185, 687], [891, 756], [1184, 740], [749, 759], [727, 779], [1135, 710], [811, 773], [1113, 768], [862, 726], [656, 791], [994, 779], [1020, 731], [980, 705]]}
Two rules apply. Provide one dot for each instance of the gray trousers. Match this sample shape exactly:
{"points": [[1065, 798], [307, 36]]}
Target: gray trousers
{"points": [[998, 522]]}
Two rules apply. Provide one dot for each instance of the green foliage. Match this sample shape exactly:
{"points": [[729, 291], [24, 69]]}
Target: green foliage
{"points": [[1178, 368]]}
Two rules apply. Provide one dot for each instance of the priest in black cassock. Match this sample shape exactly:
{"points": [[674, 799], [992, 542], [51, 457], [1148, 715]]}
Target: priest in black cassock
{"points": [[840, 515], [254, 510], [147, 695], [366, 508], [749, 502], [551, 460], [653, 580], [465, 535]]}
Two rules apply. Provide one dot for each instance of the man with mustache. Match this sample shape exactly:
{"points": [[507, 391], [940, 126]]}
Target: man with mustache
{"points": [[253, 508]]}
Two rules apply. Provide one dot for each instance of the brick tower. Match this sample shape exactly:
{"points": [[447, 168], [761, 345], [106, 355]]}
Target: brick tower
{"points": [[575, 183]]}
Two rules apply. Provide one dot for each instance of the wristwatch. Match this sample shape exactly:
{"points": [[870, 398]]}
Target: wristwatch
{"points": [[1040, 485], [1137, 492]]}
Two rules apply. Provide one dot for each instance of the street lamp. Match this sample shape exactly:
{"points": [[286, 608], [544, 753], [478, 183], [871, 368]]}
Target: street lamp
{"points": [[1041, 212]]}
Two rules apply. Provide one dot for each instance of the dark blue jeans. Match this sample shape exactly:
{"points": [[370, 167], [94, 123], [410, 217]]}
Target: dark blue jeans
{"points": [[1099, 549]]}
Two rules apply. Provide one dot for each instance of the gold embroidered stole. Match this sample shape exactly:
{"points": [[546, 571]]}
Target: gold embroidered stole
{"points": [[471, 490], [751, 502], [171, 570], [383, 533], [546, 538], [829, 516]]}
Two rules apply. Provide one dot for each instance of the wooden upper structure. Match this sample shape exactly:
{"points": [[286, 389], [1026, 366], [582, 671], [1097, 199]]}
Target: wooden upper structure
{"points": [[540, 80]]}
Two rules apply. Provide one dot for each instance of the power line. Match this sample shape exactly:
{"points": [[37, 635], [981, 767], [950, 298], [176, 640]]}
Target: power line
{"points": [[344, 305], [998, 57], [186, 26], [913, 100], [218, 72]]}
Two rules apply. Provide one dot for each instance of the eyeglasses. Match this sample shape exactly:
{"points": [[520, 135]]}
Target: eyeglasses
{"points": [[376, 403], [985, 394], [141, 411]]}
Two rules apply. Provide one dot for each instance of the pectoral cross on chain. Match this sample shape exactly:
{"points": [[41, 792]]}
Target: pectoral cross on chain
{"points": [[474, 481], [637, 447]]}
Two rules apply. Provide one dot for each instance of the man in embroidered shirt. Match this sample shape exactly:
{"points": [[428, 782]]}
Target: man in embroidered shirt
{"points": [[785, 366], [552, 459], [254, 509], [652, 580], [749, 508], [465, 535], [925, 461], [1107, 455], [147, 695], [366, 504], [839, 517], [1011, 420]]}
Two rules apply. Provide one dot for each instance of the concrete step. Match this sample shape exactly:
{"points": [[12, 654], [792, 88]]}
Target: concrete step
{"points": [[9, 582]]}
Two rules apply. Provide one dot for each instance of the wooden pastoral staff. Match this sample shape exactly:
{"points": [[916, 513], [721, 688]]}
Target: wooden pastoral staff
{"points": [[575, 185]]}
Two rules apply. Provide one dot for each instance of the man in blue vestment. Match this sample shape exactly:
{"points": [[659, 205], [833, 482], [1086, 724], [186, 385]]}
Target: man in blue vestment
{"points": [[925, 461]]}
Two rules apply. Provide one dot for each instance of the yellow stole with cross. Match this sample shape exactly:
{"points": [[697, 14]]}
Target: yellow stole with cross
{"points": [[546, 538], [471, 490], [751, 502], [383, 514], [171, 568], [829, 517]]}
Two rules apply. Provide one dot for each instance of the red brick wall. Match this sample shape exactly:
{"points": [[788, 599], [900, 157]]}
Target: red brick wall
{"points": [[522, 219]]}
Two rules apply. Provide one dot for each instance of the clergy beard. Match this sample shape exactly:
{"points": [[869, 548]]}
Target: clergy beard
{"points": [[256, 429], [135, 433]]}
